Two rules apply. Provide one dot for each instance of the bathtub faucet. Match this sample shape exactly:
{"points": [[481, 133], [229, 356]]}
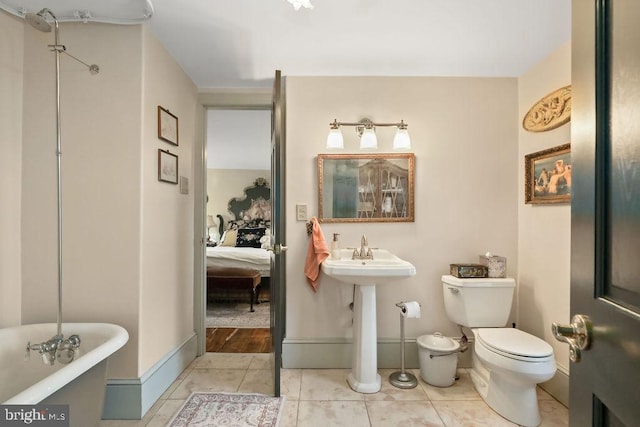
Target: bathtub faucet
{"points": [[64, 350]]}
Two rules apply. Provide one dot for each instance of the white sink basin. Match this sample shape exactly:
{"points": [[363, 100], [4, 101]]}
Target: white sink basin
{"points": [[384, 268], [365, 274]]}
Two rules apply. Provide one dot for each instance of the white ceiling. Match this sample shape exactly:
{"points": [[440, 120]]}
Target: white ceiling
{"points": [[239, 43]]}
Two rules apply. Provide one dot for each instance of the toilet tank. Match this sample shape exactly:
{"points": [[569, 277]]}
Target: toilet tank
{"points": [[478, 303]]}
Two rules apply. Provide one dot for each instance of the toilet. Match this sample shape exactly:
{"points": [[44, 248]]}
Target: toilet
{"points": [[507, 363]]}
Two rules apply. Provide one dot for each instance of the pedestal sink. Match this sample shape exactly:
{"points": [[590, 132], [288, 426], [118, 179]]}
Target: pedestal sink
{"points": [[384, 269]]}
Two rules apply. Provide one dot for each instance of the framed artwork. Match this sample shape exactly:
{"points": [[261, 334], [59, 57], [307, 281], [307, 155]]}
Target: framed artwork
{"points": [[167, 126], [167, 167], [547, 176], [366, 187]]}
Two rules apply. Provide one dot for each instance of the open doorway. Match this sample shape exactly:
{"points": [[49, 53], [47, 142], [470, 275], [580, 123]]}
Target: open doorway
{"points": [[238, 210]]}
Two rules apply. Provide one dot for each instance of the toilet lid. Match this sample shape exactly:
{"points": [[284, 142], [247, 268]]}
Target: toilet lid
{"points": [[513, 341]]}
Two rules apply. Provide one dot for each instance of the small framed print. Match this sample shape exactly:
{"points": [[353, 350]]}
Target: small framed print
{"points": [[167, 126], [547, 176], [167, 167]]}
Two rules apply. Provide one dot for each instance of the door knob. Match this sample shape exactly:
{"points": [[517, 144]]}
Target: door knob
{"points": [[577, 335], [278, 248]]}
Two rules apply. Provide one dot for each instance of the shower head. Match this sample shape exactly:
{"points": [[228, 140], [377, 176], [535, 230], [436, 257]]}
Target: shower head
{"points": [[38, 20]]}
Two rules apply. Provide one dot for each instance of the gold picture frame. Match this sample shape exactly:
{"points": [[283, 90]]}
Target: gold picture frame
{"points": [[167, 126], [547, 176], [366, 187]]}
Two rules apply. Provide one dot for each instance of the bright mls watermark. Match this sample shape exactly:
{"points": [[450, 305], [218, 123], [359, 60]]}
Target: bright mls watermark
{"points": [[34, 415]]}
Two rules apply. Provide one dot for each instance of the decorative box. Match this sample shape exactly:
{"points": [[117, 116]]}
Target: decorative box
{"points": [[496, 265], [468, 270]]}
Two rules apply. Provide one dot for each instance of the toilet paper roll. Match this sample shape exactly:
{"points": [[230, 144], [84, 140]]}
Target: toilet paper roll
{"points": [[410, 309]]}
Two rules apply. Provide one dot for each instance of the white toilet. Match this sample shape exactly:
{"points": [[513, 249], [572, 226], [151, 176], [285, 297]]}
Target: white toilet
{"points": [[507, 363]]}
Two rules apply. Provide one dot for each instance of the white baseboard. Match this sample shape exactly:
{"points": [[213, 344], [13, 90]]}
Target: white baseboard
{"points": [[131, 398]]}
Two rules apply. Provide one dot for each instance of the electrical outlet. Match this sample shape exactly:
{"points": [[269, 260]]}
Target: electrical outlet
{"points": [[301, 212]]}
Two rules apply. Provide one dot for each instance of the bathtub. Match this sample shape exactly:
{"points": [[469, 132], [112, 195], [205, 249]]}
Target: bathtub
{"points": [[80, 384]]}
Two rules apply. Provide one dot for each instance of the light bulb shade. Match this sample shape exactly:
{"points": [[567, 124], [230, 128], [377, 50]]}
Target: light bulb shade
{"points": [[335, 140], [368, 140], [401, 140]]}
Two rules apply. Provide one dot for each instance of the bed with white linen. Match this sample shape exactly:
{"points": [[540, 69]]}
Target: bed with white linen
{"points": [[231, 256], [245, 236]]}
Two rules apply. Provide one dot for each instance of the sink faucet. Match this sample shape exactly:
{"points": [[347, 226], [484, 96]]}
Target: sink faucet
{"points": [[365, 250]]}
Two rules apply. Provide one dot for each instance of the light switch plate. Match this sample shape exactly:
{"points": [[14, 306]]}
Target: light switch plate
{"points": [[301, 212], [184, 185]]}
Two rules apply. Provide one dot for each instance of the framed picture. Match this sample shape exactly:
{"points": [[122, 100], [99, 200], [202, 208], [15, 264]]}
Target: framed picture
{"points": [[547, 176], [167, 126], [374, 187], [167, 167]]}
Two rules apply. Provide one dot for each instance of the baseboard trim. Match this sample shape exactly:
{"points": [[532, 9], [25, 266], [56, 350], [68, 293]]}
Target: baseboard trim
{"points": [[335, 353], [131, 398]]}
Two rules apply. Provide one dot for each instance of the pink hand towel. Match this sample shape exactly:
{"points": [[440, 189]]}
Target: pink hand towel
{"points": [[317, 252]]}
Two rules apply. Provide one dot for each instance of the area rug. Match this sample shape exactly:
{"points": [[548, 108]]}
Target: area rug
{"points": [[229, 409], [237, 315]]}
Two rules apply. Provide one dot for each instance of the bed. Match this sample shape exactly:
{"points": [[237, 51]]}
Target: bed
{"points": [[245, 237], [252, 258]]}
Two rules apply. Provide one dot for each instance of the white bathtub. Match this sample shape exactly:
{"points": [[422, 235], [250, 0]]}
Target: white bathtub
{"points": [[80, 384]]}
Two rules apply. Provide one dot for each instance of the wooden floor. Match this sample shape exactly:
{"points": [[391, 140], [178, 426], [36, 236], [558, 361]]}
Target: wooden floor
{"points": [[230, 340]]}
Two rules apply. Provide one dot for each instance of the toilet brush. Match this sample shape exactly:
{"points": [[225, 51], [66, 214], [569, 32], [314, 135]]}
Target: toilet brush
{"points": [[402, 379]]}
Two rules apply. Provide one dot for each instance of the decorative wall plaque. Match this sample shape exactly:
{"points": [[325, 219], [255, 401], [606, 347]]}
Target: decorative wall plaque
{"points": [[550, 112]]}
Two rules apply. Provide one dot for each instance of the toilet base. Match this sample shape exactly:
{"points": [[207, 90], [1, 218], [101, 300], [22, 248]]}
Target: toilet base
{"points": [[515, 401]]}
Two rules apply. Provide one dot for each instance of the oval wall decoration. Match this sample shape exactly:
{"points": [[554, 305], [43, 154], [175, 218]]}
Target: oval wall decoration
{"points": [[550, 112]]}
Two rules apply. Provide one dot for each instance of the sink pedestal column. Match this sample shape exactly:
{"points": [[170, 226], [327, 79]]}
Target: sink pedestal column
{"points": [[364, 377]]}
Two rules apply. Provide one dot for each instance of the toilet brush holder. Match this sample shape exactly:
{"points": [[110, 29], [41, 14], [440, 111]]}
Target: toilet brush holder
{"points": [[402, 379]]}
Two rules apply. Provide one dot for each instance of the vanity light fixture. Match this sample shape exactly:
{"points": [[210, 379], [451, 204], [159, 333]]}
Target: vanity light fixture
{"points": [[401, 140], [335, 139], [365, 129]]}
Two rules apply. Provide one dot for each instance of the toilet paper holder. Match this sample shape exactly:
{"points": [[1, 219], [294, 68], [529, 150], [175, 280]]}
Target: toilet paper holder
{"points": [[401, 378]]}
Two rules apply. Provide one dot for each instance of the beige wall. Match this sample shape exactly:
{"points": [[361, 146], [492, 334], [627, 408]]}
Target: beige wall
{"points": [[465, 138], [544, 231], [166, 291], [224, 184], [127, 238], [101, 116], [11, 71]]}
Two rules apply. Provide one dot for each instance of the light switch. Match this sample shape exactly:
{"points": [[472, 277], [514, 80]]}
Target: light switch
{"points": [[301, 212], [184, 185]]}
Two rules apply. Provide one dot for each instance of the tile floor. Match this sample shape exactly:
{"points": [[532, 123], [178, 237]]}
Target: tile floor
{"points": [[322, 397]]}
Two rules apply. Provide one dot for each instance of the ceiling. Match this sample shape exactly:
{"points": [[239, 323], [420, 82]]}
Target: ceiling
{"points": [[239, 43]]}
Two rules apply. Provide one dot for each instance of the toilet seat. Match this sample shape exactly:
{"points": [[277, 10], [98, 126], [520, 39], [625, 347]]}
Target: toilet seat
{"points": [[514, 344]]}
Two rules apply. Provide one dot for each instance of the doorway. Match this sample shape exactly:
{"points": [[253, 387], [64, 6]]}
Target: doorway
{"points": [[237, 270]]}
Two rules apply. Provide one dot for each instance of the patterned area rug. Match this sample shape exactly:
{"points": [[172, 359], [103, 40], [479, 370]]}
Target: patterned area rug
{"points": [[229, 409], [237, 315]]}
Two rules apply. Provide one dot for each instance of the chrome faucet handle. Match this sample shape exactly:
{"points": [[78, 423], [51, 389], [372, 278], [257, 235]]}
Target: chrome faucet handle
{"points": [[74, 340]]}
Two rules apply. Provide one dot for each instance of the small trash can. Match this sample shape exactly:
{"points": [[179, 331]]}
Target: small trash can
{"points": [[438, 359]]}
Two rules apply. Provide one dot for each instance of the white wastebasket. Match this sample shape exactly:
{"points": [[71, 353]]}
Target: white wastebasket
{"points": [[438, 359]]}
